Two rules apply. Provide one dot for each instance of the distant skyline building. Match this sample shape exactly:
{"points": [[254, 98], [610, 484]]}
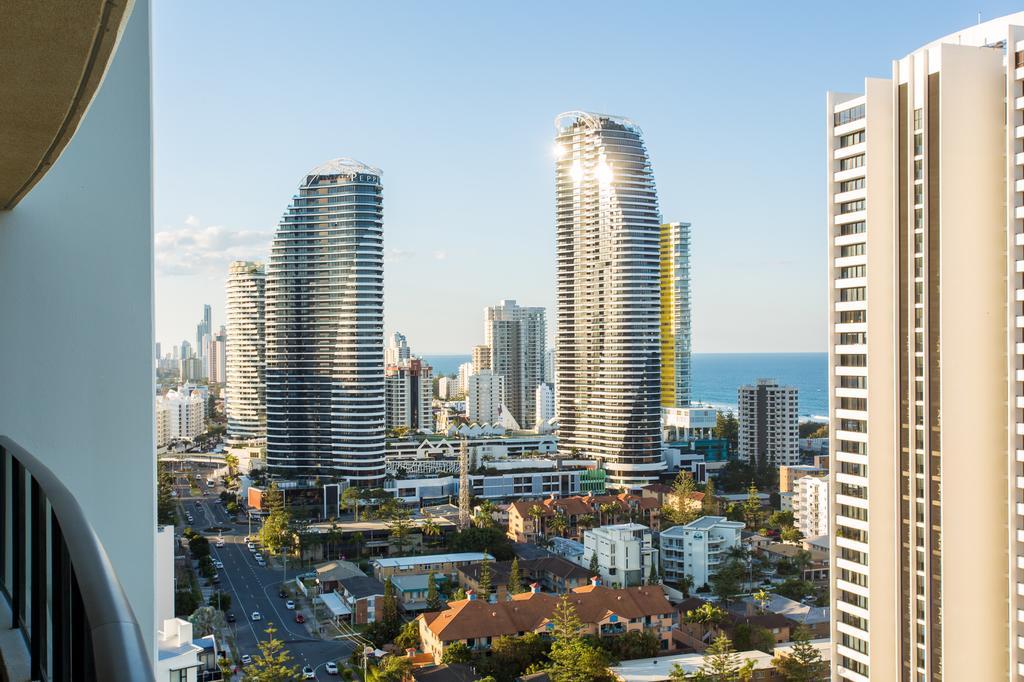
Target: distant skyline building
{"points": [[180, 415], [483, 399], [191, 369], [925, 173], [675, 315], [325, 329], [607, 343], [481, 357], [448, 388], [544, 404], [517, 338], [245, 352], [186, 350], [409, 393], [204, 329], [217, 362], [465, 371], [769, 424], [397, 349]]}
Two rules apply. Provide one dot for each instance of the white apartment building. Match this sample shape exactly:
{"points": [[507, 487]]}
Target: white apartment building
{"points": [[698, 549], [625, 554], [769, 423], [544, 401], [484, 397], [325, 328], [465, 371], [925, 223], [218, 359], [517, 338], [397, 350], [608, 331], [408, 391], [184, 414], [245, 348], [481, 357], [675, 315], [810, 505], [448, 388]]}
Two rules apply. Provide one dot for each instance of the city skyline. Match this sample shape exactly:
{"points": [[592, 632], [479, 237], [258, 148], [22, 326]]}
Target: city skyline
{"points": [[693, 123]]}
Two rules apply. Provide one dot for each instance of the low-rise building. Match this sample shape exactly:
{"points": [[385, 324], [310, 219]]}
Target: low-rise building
{"points": [[814, 618], [698, 549], [789, 474], [660, 669], [411, 590], [603, 612], [177, 653], [440, 564], [530, 519], [623, 554], [361, 595], [815, 561], [549, 478], [553, 574]]}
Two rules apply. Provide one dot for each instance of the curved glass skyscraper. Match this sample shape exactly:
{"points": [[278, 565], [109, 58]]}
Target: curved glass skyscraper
{"points": [[608, 351], [325, 329]]}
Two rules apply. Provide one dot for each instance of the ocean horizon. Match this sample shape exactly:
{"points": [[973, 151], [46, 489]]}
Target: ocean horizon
{"points": [[718, 376]]}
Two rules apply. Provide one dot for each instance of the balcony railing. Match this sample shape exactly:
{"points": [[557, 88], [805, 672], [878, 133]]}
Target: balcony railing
{"points": [[60, 586]]}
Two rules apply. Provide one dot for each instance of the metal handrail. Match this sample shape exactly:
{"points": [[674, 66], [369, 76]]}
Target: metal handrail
{"points": [[118, 648]]}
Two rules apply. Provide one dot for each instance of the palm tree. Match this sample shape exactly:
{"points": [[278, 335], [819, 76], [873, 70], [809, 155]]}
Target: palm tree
{"points": [[486, 514], [350, 498], [706, 615], [430, 528], [537, 512], [585, 521], [357, 540], [609, 509], [558, 524], [762, 597]]}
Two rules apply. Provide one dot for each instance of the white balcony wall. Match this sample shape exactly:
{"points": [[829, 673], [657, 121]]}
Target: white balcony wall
{"points": [[76, 304]]}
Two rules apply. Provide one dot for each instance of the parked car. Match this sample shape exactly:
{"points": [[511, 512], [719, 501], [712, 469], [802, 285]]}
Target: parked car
{"points": [[307, 673], [256, 615], [299, 618], [261, 563], [281, 593], [259, 557], [290, 605], [230, 617], [246, 659], [217, 563], [331, 668]]}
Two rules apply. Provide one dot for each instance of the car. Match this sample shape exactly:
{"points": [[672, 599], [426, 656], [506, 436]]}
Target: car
{"points": [[307, 673], [220, 543], [216, 579], [258, 556], [252, 547], [199, 477], [299, 618], [261, 563], [290, 605], [256, 616], [230, 617], [282, 594], [246, 659], [331, 667], [217, 563]]}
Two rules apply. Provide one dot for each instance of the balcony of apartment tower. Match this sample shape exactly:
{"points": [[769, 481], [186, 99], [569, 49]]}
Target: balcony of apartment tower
{"points": [[77, 465]]}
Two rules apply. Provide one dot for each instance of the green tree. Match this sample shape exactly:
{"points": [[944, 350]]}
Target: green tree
{"points": [[790, 534], [727, 582], [727, 426], [803, 663], [457, 652], [458, 594], [752, 514], [515, 580], [721, 664], [357, 542], [485, 580], [710, 502], [430, 529], [165, 503], [399, 528], [485, 514], [220, 600], [389, 606], [780, 519], [574, 659], [681, 508], [593, 562], [350, 498], [409, 636], [206, 620], [537, 512], [276, 528], [762, 597], [273, 663], [433, 597], [632, 645], [558, 524], [652, 576], [747, 637], [393, 669], [707, 615]]}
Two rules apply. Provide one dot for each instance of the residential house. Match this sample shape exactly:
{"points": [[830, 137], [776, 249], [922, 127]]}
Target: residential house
{"points": [[815, 561], [553, 574], [361, 594], [329, 575], [440, 564], [411, 590], [578, 513], [603, 612]]}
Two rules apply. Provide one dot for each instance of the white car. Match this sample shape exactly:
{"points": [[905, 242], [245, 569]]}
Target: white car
{"points": [[331, 667], [246, 659], [217, 563], [258, 556], [220, 543], [252, 547], [261, 563], [256, 616], [290, 605], [307, 673]]}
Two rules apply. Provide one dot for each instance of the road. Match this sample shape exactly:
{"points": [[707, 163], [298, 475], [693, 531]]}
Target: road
{"points": [[255, 588]]}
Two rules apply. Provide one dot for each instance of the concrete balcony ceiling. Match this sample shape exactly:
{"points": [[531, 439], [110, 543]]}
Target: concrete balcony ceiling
{"points": [[53, 56]]}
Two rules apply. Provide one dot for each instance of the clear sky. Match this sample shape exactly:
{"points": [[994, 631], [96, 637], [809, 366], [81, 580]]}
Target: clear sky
{"points": [[455, 102]]}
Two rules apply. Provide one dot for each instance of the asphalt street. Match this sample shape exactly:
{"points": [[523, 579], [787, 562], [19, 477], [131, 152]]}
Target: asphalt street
{"points": [[255, 588]]}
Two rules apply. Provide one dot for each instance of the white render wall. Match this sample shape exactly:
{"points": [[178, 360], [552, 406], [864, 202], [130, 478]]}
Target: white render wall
{"points": [[76, 281], [810, 505]]}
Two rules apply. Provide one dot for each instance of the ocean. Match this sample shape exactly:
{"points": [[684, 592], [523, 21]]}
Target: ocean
{"points": [[717, 376]]}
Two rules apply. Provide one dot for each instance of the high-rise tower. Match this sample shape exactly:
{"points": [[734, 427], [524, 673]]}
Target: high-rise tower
{"points": [[926, 363], [675, 315], [516, 337], [245, 400], [325, 335], [607, 345]]}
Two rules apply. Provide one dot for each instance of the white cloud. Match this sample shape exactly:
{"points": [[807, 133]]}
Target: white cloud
{"points": [[193, 249], [440, 255]]}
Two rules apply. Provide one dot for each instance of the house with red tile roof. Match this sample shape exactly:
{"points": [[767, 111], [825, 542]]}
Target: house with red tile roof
{"points": [[530, 519]]}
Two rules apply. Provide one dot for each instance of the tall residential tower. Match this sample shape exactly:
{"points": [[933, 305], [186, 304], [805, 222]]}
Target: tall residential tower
{"points": [[244, 395], [607, 344], [925, 176], [675, 315], [517, 336], [325, 335]]}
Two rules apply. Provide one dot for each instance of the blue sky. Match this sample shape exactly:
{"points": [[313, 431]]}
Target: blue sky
{"points": [[455, 102]]}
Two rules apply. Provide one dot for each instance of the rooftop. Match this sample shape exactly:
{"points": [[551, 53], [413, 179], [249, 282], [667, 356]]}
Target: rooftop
{"points": [[659, 669], [342, 165], [361, 586], [409, 561], [707, 523]]}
